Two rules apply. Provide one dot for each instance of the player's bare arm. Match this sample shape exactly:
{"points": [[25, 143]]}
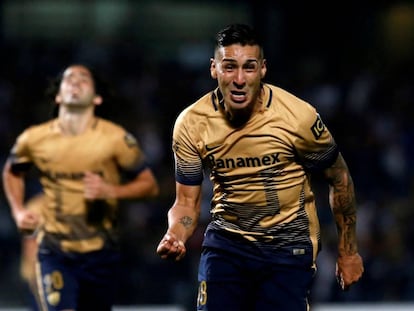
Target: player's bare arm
{"points": [[13, 183], [342, 201], [182, 221], [343, 204]]}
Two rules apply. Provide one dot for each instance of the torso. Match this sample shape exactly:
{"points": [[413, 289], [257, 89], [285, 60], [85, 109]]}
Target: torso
{"points": [[70, 222], [261, 189]]}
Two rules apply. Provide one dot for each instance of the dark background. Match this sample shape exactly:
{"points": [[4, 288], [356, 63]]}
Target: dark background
{"points": [[353, 60]]}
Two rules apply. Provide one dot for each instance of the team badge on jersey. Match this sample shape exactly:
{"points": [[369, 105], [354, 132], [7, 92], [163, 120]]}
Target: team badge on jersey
{"points": [[318, 127], [130, 140]]}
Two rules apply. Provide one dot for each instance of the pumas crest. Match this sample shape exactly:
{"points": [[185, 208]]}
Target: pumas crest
{"points": [[130, 140]]}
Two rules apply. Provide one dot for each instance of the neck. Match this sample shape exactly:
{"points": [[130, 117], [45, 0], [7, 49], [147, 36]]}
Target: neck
{"points": [[239, 117], [74, 123]]}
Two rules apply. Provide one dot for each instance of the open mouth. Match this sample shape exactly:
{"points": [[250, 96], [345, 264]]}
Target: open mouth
{"points": [[238, 97]]}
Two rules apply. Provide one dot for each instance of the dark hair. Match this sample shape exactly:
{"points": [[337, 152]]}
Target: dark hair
{"points": [[102, 87], [237, 34]]}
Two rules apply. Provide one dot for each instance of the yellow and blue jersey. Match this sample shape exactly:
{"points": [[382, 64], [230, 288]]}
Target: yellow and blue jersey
{"points": [[260, 170], [70, 223]]}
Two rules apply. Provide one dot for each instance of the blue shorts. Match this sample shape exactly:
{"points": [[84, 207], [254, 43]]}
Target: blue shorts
{"points": [[78, 281], [229, 281]]}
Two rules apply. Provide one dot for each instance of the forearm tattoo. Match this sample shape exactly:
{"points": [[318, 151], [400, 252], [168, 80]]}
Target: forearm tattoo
{"points": [[186, 221], [342, 199]]}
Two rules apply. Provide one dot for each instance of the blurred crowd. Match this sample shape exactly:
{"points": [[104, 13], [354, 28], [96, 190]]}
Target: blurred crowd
{"points": [[364, 93]]}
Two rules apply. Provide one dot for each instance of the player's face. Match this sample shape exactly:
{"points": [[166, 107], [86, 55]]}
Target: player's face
{"points": [[239, 71], [77, 88]]}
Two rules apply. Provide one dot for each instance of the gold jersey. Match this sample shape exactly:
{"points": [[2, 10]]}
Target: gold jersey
{"points": [[69, 221], [260, 171]]}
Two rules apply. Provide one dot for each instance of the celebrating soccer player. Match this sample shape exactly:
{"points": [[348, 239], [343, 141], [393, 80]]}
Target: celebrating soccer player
{"points": [[260, 144]]}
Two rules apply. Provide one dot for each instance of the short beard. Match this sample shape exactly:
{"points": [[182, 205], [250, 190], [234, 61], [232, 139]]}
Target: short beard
{"points": [[239, 118]]}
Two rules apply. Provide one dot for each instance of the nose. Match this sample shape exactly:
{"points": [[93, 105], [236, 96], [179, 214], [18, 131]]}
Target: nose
{"points": [[73, 80], [239, 78]]}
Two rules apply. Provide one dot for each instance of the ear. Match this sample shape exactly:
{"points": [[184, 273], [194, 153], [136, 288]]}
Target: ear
{"points": [[263, 70], [97, 100], [58, 99], [213, 69]]}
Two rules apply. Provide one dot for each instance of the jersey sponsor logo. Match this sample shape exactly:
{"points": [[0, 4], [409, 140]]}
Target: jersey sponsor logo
{"points": [[66, 175], [244, 161], [318, 127]]}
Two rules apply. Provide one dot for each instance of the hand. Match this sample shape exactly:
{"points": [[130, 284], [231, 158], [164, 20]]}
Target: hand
{"points": [[349, 269], [171, 248], [96, 187], [26, 220]]}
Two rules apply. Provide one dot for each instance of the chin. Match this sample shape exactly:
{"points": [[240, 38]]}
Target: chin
{"points": [[239, 105]]}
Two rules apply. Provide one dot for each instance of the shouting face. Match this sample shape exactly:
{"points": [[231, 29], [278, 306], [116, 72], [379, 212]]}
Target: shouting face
{"points": [[239, 71]]}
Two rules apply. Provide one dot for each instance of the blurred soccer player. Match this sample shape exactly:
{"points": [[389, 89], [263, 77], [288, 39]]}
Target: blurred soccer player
{"points": [[82, 159], [261, 144]]}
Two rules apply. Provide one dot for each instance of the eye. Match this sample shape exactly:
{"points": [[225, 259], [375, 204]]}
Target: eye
{"points": [[251, 67], [229, 67]]}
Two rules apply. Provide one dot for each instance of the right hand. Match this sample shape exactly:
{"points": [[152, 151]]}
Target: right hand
{"points": [[96, 187], [26, 220], [170, 247]]}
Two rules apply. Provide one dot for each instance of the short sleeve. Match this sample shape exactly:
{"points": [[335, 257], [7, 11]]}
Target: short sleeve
{"points": [[20, 157], [315, 145], [188, 163], [128, 152]]}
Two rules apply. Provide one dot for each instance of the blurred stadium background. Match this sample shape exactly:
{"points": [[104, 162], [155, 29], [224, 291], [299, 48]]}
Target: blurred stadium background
{"points": [[353, 60]]}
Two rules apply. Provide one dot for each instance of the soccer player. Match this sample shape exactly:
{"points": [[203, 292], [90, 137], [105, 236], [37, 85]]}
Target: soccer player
{"points": [[260, 144], [86, 165]]}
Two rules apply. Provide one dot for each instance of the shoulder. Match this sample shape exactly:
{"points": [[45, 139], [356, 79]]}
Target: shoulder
{"points": [[109, 127], [288, 99], [115, 131], [200, 109], [38, 130], [287, 104], [44, 126]]}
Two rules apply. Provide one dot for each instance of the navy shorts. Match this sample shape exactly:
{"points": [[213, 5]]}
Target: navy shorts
{"points": [[78, 281], [229, 281]]}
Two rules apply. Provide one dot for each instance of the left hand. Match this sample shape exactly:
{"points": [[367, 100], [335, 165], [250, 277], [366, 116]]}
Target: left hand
{"points": [[349, 269], [96, 187]]}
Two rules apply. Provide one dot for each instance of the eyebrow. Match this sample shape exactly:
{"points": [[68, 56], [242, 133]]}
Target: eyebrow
{"points": [[235, 61], [82, 74]]}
